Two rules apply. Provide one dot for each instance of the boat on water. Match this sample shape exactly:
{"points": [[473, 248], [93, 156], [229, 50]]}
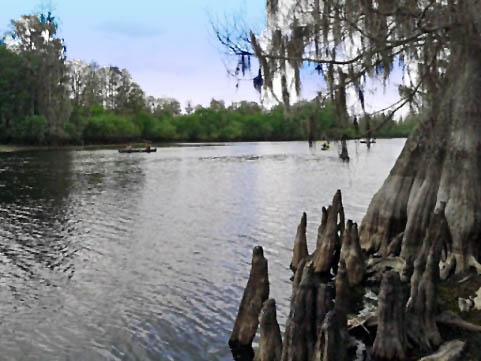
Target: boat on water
{"points": [[138, 150], [368, 141]]}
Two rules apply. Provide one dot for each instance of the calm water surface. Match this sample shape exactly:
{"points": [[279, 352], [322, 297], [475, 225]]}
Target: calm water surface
{"points": [[108, 256]]}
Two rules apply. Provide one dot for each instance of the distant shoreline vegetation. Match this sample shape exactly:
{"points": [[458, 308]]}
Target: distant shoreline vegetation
{"points": [[246, 122], [47, 100]]}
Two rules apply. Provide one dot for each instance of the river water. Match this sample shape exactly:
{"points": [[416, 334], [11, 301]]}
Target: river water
{"points": [[108, 256]]}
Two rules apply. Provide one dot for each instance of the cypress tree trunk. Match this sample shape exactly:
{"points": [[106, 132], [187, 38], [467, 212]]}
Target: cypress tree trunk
{"points": [[441, 162]]}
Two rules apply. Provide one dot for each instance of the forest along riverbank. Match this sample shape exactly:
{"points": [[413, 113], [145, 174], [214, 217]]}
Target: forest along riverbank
{"points": [[422, 315]]}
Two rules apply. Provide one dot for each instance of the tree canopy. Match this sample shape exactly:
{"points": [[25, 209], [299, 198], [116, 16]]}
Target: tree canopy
{"points": [[348, 40]]}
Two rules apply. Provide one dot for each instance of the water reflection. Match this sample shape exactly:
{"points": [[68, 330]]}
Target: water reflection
{"points": [[35, 226], [108, 256]]}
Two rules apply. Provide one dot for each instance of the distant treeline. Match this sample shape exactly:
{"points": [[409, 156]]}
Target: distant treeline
{"points": [[45, 99]]}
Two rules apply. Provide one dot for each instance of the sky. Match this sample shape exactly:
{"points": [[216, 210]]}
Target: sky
{"points": [[167, 45]]}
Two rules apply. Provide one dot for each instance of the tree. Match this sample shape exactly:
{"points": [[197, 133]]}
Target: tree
{"points": [[43, 55], [438, 43], [14, 90], [170, 106], [217, 105], [92, 92], [129, 97], [188, 108], [78, 73]]}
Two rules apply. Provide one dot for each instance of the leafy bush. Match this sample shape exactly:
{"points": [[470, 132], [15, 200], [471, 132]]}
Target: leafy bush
{"points": [[109, 127], [31, 130]]}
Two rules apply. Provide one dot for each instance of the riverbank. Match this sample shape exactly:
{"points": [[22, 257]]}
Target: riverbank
{"points": [[96, 125], [346, 301], [14, 148]]}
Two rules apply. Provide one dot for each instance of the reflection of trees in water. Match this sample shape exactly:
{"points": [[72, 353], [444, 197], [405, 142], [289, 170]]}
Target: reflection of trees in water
{"points": [[49, 204], [35, 216]]}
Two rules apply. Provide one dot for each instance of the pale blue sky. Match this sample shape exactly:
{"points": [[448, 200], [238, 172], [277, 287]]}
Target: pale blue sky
{"points": [[167, 45]]}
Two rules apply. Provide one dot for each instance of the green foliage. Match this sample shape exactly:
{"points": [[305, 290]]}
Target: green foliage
{"points": [[98, 125], [39, 104], [30, 130], [15, 97], [109, 127]]}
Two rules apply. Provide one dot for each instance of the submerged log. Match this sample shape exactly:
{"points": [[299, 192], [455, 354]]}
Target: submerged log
{"points": [[270, 344], [449, 351], [352, 255], [300, 244], [422, 300], [452, 319], [390, 342], [255, 293]]}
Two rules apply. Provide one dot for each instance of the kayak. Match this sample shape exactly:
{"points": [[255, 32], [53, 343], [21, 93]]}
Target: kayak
{"points": [[141, 150]]}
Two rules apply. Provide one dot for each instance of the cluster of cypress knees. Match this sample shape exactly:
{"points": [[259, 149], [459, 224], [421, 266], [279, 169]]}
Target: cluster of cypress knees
{"points": [[318, 327]]}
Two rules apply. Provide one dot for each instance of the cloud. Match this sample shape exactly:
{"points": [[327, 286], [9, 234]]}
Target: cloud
{"points": [[130, 29]]}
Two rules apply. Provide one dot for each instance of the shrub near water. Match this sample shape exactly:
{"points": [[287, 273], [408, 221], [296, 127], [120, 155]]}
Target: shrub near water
{"points": [[30, 130], [96, 125], [109, 127]]}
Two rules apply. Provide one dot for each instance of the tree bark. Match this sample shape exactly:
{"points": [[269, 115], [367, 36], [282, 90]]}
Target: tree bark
{"points": [[311, 301], [391, 341], [270, 345], [300, 244], [352, 255], [332, 226], [255, 293], [422, 328], [440, 162], [300, 335], [450, 351], [331, 345]]}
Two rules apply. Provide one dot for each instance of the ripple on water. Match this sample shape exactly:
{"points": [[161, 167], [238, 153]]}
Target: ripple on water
{"points": [[145, 257]]}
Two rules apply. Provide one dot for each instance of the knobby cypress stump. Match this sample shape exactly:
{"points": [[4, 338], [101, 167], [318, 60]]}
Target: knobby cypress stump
{"points": [[331, 345], [270, 344], [300, 335], [352, 255], [300, 244], [422, 326], [255, 293], [391, 341], [325, 255]]}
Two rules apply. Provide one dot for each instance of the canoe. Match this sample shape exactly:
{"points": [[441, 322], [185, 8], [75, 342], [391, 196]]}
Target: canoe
{"points": [[365, 141], [151, 150]]}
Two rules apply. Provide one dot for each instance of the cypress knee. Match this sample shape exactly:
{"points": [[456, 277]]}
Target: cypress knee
{"points": [[255, 293], [270, 345], [390, 342], [300, 244], [352, 255]]}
